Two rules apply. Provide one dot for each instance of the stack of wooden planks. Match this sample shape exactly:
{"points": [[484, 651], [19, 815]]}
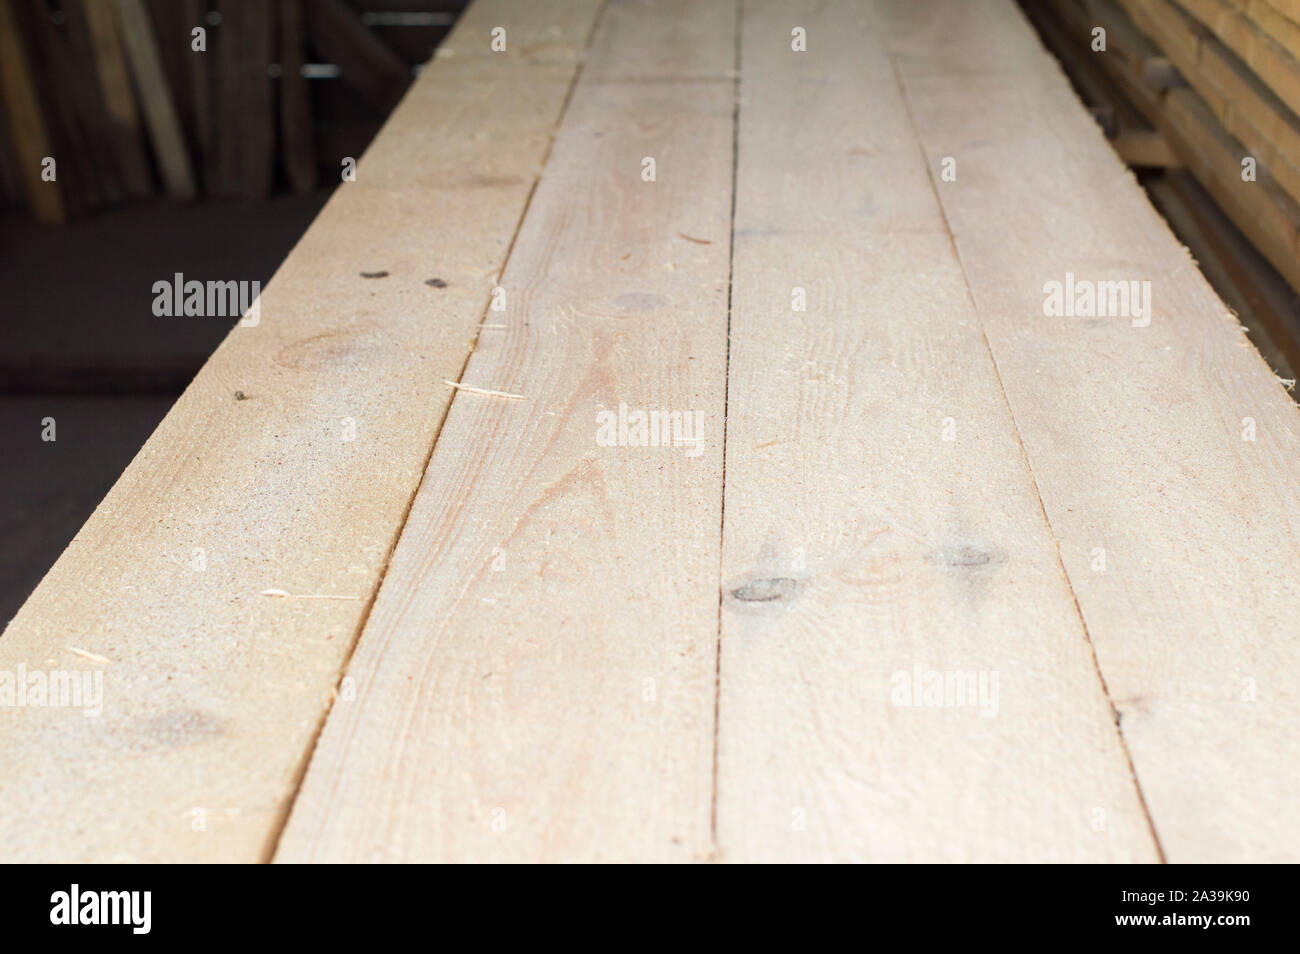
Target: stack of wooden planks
{"points": [[109, 100], [1220, 82], [704, 473]]}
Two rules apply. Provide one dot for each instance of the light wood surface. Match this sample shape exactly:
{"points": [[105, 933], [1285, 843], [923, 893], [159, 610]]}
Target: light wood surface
{"points": [[1134, 435], [902, 551], [571, 647], [537, 680], [215, 691]]}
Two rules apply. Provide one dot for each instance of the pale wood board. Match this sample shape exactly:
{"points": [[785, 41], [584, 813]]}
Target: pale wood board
{"points": [[1134, 435], [897, 551], [215, 691], [536, 681]]}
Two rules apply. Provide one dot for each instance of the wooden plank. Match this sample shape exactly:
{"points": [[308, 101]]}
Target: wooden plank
{"points": [[202, 87], [299, 151], [1260, 208], [1279, 70], [536, 681], [256, 126], [860, 546], [1267, 307], [366, 63], [215, 691], [1285, 32], [159, 110], [1134, 434], [1241, 103], [1288, 8], [120, 106], [1145, 148], [228, 88], [1065, 30], [1263, 211], [1255, 116], [68, 97], [26, 121], [245, 131], [77, 49], [172, 22], [1273, 123]]}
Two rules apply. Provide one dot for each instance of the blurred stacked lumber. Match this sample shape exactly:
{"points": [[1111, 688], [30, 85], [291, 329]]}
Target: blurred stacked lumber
{"points": [[1220, 82], [110, 101], [1210, 88]]}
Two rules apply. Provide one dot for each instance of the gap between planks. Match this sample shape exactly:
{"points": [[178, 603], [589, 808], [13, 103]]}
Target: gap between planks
{"points": [[736, 110], [1024, 451], [726, 395], [273, 843], [1004, 397]]}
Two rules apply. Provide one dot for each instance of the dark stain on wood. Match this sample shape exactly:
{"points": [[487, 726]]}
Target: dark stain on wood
{"points": [[771, 589], [968, 556]]}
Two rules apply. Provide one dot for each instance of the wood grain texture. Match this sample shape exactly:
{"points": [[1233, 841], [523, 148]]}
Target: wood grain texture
{"points": [[536, 681], [860, 545], [1265, 14], [1263, 211], [215, 691], [1278, 68], [1134, 434], [1288, 8]]}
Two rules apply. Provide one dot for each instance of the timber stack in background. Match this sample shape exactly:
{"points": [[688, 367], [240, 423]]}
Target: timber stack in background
{"points": [[196, 98], [1202, 98]]}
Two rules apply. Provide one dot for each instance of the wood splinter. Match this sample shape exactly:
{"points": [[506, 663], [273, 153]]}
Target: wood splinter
{"points": [[468, 387], [306, 596]]}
